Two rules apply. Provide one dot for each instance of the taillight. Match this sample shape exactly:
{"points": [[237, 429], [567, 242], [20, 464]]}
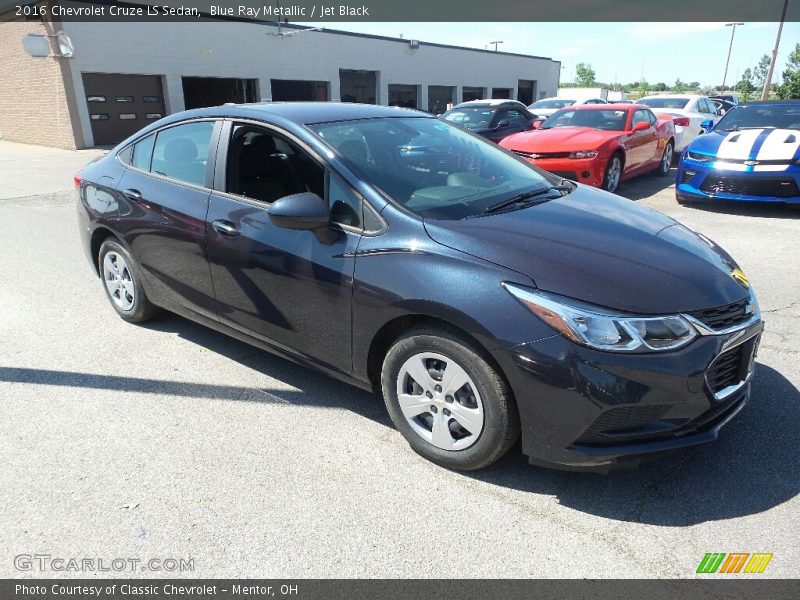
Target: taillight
{"points": [[76, 179], [682, 121]]}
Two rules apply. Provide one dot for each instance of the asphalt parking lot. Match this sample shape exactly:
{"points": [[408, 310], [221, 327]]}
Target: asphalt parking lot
{"points": [[170, 440]]}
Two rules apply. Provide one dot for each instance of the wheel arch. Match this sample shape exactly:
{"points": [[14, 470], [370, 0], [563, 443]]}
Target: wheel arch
{"points": [[99, 235]]}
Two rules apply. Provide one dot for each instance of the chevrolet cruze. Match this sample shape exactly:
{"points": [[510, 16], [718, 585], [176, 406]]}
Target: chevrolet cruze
{"points": [[483, 298]]}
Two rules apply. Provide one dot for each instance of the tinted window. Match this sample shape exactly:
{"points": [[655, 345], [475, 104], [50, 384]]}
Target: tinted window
{"points": [[429, 166], [784, 116], [640, 116], [515, 119], [180, 152], [142, 151], [652, 118], [471, 118], [345, 205]]}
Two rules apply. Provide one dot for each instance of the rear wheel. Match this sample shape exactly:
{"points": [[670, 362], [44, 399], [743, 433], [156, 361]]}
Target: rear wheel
{"points": [[122, 283], [666, 160], [449, 403], [613, 173]]}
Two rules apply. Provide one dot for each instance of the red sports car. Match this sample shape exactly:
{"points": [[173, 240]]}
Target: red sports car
{"points": [[599, 144]]}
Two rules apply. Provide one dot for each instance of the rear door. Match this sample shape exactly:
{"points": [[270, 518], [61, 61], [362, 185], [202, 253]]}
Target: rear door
{"points": [[283, 286], [166, 188]]}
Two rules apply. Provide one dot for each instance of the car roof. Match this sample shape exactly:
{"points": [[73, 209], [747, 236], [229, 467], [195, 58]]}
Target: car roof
{"points": [[494, 103], [790, 102], [690, 96], [305, 113], [615, 106]]}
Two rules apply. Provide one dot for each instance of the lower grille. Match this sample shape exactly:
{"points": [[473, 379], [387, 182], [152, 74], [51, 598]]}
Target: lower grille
{"points": [[617, 421], [730, 368], [571, 175], [722, 317], [750, 186], [543, 155]]}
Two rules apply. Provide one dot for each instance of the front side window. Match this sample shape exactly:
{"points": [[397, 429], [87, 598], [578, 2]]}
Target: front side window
{"points": [[640, 116], [430, 167], [265, 166], [515, 119], [180, 152]]}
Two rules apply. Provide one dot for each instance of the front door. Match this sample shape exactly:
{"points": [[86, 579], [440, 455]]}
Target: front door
{"points": [[642, 145], [286, 287]]}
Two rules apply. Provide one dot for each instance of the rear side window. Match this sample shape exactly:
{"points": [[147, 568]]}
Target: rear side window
{"points": [[180, 152], [142, 151]]}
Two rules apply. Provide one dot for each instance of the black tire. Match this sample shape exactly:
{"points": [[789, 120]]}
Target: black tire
{"points": [[663, 166], [141, 308], [608, 185], [500, 416]]}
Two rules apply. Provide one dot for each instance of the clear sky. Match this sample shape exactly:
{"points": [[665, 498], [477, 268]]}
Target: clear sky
{"points": [[617, 51]]}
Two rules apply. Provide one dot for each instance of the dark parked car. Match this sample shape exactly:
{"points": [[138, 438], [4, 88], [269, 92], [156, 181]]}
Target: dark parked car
{"points": [[493, 119], [482, 298]]}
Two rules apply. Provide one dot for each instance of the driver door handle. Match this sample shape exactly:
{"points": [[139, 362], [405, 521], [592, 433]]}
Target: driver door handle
{"points": [[226, 228]]}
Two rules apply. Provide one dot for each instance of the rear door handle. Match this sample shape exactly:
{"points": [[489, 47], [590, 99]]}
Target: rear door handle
{"points": [[226, 228], [133, 194]]}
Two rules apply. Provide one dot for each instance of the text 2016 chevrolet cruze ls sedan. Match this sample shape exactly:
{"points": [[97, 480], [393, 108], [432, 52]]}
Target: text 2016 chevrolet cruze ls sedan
{"points": [[480, 295]]}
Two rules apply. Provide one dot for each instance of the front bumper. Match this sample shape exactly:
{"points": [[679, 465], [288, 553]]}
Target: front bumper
{"points": [[589, 171], [696, 180], [583, 408]]}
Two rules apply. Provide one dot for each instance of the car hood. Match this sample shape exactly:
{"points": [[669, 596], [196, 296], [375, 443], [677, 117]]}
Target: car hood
{"points": [[599, 248], [750, 144], [559, 139]]}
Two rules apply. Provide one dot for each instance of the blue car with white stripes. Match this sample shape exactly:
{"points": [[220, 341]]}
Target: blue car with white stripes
{"points": [[752, 154]]}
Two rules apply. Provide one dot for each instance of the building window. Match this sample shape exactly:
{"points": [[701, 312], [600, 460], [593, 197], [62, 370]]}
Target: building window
{"points": [[99, 116], [152, 99], [127, 116], [152, 115], [95, 98], [124, 98]]}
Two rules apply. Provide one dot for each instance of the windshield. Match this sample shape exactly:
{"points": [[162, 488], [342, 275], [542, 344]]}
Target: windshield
{"points": [[757, 117], [552, 103], [471, 118], [608, 120], [429, 166], [664, 102]]}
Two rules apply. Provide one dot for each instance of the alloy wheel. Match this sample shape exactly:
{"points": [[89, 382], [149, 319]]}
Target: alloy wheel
{"points": [[613, 174], [118, 280]]}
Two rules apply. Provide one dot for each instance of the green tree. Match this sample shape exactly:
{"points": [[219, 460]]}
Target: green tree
{"points": [[745, 86], [660, 87], [695, 85], [679, 86], [760, 71], [790, 88], [584, 75]]}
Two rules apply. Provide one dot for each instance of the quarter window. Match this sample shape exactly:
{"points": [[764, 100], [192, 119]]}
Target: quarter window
{"points": [[142, 152], [180, 152]]}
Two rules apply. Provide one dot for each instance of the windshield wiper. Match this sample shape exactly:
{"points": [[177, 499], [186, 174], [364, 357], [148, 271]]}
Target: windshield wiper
{"points": [[525, 197]]}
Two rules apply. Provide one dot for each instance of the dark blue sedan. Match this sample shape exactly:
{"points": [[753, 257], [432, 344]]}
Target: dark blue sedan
{"points": [[478, 295]]}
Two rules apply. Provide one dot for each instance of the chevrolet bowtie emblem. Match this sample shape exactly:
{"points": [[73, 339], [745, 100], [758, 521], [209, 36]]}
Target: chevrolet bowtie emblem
{"points": [[751, 163], [739, 276]]}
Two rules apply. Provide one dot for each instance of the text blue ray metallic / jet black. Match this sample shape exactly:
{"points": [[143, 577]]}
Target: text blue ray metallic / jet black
{"points": [[481, 296]]}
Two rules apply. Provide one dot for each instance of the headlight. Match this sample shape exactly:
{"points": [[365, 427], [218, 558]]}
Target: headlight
{"points": [[583, 154], [699, 157], [601, 329]]}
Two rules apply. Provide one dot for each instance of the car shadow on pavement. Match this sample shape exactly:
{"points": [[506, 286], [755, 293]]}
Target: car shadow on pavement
{"points": [[751, 468], [313, 388], [748, 209], [646, 185]]}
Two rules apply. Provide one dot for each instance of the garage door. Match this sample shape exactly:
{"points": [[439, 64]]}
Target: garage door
{"points": [[120, 105]]}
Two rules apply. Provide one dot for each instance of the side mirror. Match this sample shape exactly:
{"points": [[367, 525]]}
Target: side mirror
{"points": [[707, 125], [502, 123], [537, 123], [641, 126], [304, 211]]}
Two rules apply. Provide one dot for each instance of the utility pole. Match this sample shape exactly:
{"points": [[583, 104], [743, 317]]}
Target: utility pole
{"points": [[496, 43], [768, 80], [730, 47]]}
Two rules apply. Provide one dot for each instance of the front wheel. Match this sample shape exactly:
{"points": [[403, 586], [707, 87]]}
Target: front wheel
{"points": [[666, 160], [613, 174], [449, 403]]}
